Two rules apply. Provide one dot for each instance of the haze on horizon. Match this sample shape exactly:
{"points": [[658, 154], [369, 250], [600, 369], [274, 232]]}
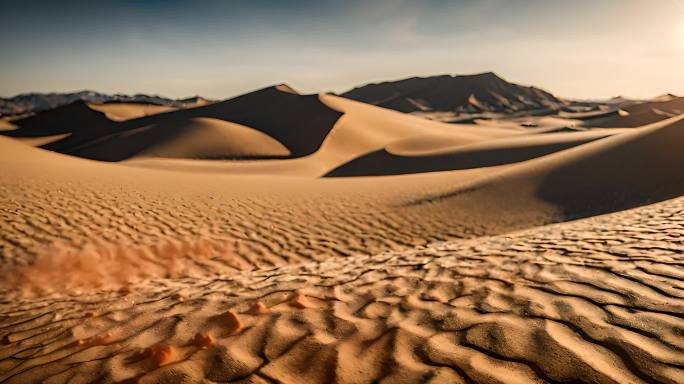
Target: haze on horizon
{"points": [[579, 49]]}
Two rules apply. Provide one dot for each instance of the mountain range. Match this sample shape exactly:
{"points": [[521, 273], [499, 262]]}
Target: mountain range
{"points": [[485, 92], [36, 102]]}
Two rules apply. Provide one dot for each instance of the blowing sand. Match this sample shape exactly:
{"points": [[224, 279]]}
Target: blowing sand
{"points": [[222, 249]]}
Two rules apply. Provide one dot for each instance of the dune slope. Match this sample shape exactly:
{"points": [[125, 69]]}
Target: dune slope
{"points": [[615, 173], [430, 154], [195, 138], [69, 214]]}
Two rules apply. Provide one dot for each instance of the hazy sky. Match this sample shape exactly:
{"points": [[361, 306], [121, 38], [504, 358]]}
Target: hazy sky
{"points": [[578, 49]]}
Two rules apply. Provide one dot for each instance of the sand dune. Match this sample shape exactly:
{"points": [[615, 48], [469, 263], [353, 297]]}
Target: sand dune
{"points": [[216, 251], [430, 154], [100, 132], [615, 173], [77, 118], [274, 111], [362, 129], [643, 113], [195, 138], [253, 224]]}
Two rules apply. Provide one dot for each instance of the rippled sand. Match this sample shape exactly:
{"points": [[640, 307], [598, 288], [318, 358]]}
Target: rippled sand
{"points": [[597, 300]]}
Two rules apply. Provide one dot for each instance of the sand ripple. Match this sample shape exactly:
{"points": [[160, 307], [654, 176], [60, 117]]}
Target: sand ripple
{"points": [[598, 300]]}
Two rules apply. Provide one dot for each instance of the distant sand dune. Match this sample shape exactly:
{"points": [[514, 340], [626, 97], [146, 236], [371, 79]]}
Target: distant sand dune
{"points": [[127, 111], [195, 138], [642, 113], [362, 129]]}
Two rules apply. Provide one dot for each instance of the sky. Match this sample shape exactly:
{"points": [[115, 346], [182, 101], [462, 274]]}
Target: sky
{"points": [[576, 49]]}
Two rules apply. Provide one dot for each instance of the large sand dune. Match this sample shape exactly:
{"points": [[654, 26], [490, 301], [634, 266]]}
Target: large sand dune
{"points": [[217, 251]]}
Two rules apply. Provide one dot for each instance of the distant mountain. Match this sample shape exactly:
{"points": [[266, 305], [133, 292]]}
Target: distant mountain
{"points": [[36, 102], [485, 92]]}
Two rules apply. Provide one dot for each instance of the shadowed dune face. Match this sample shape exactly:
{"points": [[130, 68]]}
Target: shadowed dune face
{"points": [[625, 171], [299, 122], [74, 118]]}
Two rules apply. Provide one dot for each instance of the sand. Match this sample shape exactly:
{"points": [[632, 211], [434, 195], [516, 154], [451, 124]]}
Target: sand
{"points": [[213, 244], [558, 303], [641, 113]]}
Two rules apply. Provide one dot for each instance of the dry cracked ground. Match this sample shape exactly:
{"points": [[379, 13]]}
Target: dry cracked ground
{"points": [[599, 300]]}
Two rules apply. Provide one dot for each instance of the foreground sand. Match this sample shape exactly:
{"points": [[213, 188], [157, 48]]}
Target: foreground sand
{"points": [[598, 300]]}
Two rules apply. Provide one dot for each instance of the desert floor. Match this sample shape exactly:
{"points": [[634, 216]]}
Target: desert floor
{"points": [[391, 248]]}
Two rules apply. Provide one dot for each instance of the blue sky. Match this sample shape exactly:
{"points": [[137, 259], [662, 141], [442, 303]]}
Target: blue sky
{"points": [[579, 49]]}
